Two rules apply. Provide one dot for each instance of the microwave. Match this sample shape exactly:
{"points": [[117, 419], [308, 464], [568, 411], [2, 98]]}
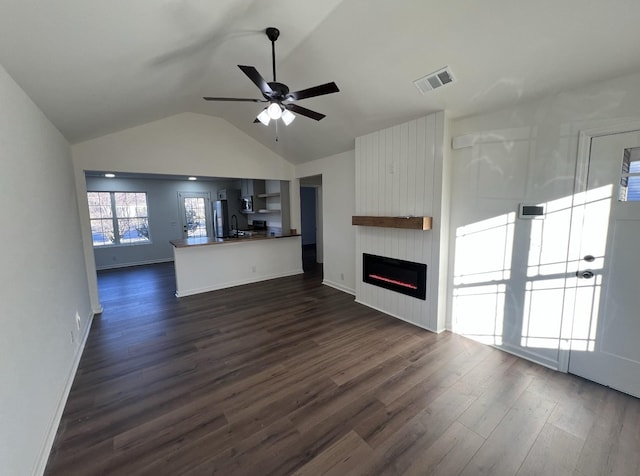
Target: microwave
{"points": [[246, 204]]}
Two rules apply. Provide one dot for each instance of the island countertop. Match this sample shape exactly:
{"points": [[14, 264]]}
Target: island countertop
{"points": [[207, 240]]}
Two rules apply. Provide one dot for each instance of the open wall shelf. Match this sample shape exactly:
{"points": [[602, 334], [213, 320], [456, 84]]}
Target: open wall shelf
{"points": [[408, 223]]}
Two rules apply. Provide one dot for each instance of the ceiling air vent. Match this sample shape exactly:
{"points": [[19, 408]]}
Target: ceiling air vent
{"points": [[434, 80]]}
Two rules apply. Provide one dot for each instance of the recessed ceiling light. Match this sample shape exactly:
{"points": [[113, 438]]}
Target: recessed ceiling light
{"points": [[109, 175], [193, 178]]}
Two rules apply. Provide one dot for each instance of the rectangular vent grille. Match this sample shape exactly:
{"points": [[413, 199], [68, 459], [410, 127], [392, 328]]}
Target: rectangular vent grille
{"points": [[434, 80]]}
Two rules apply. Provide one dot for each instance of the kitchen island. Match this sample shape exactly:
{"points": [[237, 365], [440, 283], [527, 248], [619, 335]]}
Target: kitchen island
{"points": [[206, 264]]}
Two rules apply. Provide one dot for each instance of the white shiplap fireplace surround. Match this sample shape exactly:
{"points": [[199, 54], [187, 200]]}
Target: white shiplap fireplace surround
{"points": [[402, 171]]}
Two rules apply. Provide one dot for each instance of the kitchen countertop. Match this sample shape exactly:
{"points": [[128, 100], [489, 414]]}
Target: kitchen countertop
{"points": [[205, 240]]}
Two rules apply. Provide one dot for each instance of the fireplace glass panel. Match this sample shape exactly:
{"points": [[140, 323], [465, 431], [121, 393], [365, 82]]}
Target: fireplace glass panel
{"points": [[405, 277]]}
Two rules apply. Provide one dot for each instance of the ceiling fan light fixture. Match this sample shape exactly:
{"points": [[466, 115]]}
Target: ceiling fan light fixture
{"points": [[264, 117], [274, 110], [287, 117]]}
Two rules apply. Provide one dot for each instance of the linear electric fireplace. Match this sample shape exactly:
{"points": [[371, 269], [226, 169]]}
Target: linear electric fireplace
{"points": [[397, 275]]}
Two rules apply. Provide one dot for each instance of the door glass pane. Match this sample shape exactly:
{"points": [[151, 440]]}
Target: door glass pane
{"points": [[196, 220], [630, 177]]}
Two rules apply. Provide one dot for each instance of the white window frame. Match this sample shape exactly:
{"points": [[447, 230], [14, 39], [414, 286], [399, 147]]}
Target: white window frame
{"points": [[115, 220]]}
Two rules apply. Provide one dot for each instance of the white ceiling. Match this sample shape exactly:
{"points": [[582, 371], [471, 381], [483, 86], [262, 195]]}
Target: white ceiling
{"points": [[98, 67]]}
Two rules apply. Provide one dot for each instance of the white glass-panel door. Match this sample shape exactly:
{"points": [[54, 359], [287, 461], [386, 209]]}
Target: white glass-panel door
{"points": [[195, 212], [606, 326]]}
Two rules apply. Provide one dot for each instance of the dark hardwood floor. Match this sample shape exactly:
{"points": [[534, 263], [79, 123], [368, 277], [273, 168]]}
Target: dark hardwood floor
{"points": [[292, 377]]}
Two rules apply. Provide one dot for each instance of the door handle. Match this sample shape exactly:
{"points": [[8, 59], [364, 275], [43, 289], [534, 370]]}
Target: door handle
{"points": [[585, 274]]}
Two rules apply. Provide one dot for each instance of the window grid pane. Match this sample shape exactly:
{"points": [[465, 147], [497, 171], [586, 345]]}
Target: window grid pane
{"points": [[133, 230], [99, 204], [102, 232]]}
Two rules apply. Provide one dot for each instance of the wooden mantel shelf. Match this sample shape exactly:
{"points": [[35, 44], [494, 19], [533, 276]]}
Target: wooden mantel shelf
{"points": [[409, 223]]}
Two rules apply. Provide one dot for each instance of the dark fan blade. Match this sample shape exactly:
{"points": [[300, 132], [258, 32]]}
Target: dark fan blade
{"points": [[304, 111], [234, 99], [256, 78], [315, 91]]}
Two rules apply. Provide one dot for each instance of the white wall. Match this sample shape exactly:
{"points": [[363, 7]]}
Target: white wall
{"points": [[42, 279], [337, 202], [184, 144], [400, 172], [524, 153]]}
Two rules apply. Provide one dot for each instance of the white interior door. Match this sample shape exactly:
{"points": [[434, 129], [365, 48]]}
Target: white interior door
{"points": [[195, 212], [605, 345]]}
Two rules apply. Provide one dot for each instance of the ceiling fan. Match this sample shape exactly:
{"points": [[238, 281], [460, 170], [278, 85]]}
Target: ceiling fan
{"points": [[277, 94]]}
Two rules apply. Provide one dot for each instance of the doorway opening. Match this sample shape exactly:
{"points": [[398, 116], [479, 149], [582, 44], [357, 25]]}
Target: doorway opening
{"points": [[311, 223]]}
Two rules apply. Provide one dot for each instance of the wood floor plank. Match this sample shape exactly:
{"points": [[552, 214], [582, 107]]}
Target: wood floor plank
{"points": [[288, 376], [613, 443], [325, 434], [414, 399], [554, 453], [181, 420], [398, 451], [343, 456], [507, 447], [449, 454], [445, 365], [256, 454], [490, 408], [392, 346]]}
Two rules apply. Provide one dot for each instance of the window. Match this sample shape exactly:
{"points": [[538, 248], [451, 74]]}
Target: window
{"points": [[630, 178], [118, 218]]}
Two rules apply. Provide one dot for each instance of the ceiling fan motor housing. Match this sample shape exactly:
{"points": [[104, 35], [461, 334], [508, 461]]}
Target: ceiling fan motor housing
{"points": [[280, 92]]}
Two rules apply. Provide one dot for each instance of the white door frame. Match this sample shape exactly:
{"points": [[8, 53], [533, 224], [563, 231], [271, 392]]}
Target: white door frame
{"points": [[319, 215], [580, 186]]}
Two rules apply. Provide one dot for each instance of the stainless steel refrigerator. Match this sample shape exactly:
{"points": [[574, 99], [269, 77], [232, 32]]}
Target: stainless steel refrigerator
{"points": [[224, 210]]}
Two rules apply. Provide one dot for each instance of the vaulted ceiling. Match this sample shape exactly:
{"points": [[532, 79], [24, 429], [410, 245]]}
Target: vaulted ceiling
{"points": [[98, 67]]}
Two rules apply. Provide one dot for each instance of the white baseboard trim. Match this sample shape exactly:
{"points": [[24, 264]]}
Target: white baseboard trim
{"points": [[399, 317], [41, 463], [518, 352], [134, 263], [191, 292], [530, 356], [339, 287]]}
